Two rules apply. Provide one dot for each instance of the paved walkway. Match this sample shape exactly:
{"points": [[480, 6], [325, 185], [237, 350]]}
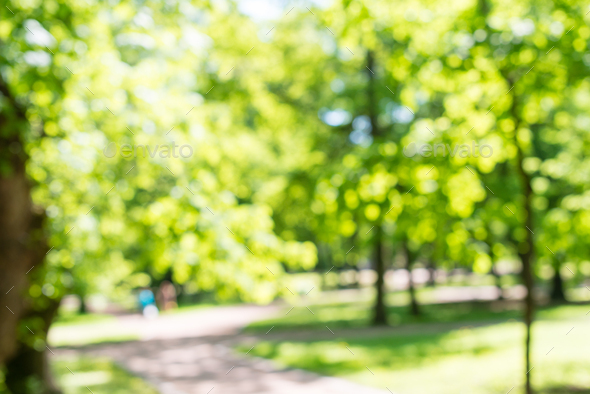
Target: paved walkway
{"points": [[192, 354], [223, 320]]}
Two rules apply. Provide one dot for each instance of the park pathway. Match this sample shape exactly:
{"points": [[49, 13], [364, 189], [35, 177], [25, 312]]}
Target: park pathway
{"points": [[191, 353]]}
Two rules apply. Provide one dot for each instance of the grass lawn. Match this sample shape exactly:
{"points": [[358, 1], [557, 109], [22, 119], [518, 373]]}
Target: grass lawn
{"points": [[359, 314], [86, 329], [99, 375], [67, 319], [429, 357], [87, 334]]}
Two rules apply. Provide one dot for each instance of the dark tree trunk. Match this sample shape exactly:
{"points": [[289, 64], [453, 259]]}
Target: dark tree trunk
{"points": [[357, 277], [22, 244], [498, 279], [380, 314], [410, 257], [526, 248], [414, 309], [324, 261], [28, 371], [431, 276], [526, 251], [83, 305], [557, 290], [527, 274]]}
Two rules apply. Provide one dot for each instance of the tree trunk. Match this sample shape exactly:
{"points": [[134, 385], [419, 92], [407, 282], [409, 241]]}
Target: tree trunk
{"points": [[431, 275], [83, 305], [16, 259], [325, 262], [22, 240], [527, 275], [28, 371], [414, 309], [498, 279], [380, 314], [557, 290], [526, 249], [410, 257]]}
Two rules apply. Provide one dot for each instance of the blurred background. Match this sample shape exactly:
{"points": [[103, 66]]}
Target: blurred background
{"points": [[337, 225]]}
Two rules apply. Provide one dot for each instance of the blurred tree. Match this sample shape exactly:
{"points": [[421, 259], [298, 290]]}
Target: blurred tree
{"points": [[119, 221], [484, 72], [298, 132], [30, 93], [513, 70]]}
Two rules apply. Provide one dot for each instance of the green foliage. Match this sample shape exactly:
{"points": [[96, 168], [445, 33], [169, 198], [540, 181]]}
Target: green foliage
{"points": [[121, 223], [297, 138], [99, 375], [294, 138], [477, 72]]}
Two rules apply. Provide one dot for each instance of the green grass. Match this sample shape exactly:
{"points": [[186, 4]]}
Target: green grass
{"points": [[99, 375], [66, 319], [359, 314], [87, 329], [92, 339], [436, 358]]}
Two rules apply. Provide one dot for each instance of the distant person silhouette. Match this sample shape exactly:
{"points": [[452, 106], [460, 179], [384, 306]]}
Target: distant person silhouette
{"points": [[166, 296], [148, 304]]}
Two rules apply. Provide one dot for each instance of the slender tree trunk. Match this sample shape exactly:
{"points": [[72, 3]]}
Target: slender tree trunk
{"points": [[324, 261], [526, 249], [410, 257], [557, 290], [83, 305], [526, 254], [431, 275], [498, 279], [380, 314], [357, 277], [527, 275], [414, 309]]}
